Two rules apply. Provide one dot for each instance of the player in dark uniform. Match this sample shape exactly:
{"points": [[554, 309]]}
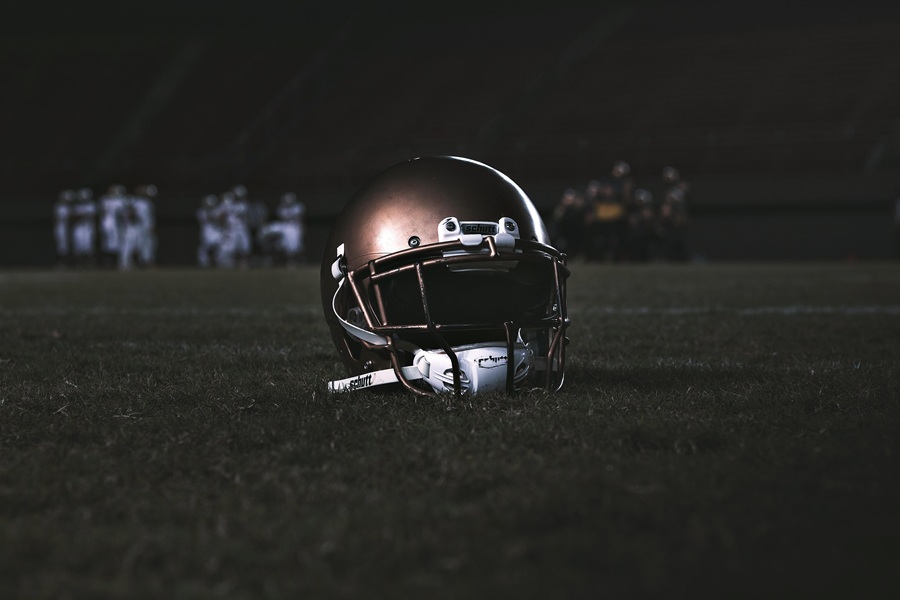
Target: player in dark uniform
{"points": [[567, 227]]}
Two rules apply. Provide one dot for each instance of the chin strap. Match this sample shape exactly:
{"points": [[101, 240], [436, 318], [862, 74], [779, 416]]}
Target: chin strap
{"points": [[375, 378], [483, 369]]}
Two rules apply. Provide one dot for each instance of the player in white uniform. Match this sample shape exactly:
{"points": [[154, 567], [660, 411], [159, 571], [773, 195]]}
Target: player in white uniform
{"points": [[239, 224], [226, 250], [131, 235], [112, 209], [257, 215], [84, 227], [290, 214], [234, 247], [139, 240], [282, 240], [61, 212], [147, 215], [210, 230]]}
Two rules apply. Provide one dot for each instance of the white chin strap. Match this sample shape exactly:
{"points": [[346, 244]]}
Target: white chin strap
{"points": [[482, 368]]}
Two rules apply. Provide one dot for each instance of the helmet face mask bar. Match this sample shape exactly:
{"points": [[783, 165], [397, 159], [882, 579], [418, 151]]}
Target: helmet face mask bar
{"points": [[449, 314]]}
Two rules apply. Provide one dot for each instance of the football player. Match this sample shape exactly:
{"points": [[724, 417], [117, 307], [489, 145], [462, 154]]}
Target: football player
{"points": [[84, 227], [62, 210], [139, 233], [290, 215], [238, 220], [210, 230], [112, 223]]}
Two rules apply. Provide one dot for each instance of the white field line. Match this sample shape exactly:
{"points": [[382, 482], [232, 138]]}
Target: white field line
{"points": [[107, 311], [786, 311]]}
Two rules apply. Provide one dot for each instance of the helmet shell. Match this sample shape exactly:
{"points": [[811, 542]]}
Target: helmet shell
{"points": [[409, 200]]}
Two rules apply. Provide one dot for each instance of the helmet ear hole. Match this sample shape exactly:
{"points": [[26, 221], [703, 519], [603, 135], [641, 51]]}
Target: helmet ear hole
{"points": [[355, 317]]}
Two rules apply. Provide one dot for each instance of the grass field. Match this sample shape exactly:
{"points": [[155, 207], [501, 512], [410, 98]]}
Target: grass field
{"points": [[725, 431]]}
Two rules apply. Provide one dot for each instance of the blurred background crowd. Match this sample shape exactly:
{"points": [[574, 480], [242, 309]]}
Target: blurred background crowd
{"points": [[118, 230], [614, 220]]}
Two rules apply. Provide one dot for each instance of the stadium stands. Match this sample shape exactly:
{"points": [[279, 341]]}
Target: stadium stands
{"points": [[715, 100], [552, 96], [64, 99]]}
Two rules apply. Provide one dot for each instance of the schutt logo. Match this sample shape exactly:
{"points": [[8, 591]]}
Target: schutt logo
{"points": [[489, 362], [360, 382], [481, 228]]}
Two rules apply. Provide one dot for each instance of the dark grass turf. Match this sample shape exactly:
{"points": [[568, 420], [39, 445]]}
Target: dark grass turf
{"points": [[726, 430]]}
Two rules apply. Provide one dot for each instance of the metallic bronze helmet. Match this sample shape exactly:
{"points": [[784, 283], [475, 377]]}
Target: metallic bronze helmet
{"points": [[438, 274]]}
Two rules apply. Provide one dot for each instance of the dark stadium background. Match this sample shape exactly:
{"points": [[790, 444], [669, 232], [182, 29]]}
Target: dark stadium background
{"points": [[783, 116]]}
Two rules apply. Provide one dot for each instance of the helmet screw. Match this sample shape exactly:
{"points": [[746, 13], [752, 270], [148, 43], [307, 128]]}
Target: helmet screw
{"points": [[510, 226], [414, 241], [355, 316], [451, 226]]}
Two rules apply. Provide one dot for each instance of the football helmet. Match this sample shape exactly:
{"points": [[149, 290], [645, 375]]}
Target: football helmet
{"points": [[439, 276]]}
